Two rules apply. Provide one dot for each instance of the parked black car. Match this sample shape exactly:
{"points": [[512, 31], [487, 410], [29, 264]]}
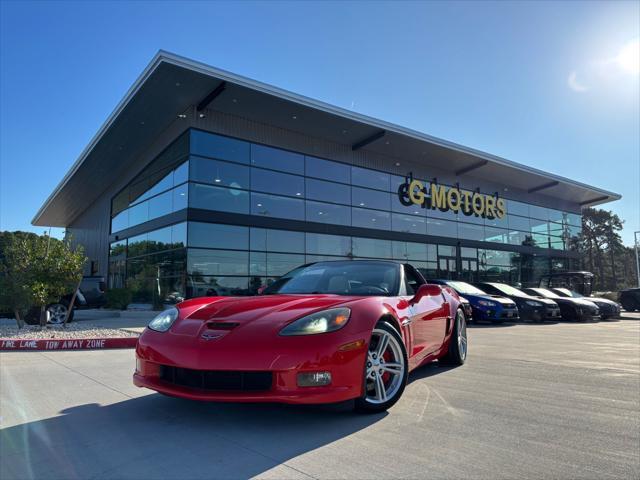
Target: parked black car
{"points": [[608, 308], [90, 295], [630, 299], [532, 308], [570, 308]]}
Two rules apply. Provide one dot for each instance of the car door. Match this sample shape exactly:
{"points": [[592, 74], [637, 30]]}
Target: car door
{"points": [[427, 316]]}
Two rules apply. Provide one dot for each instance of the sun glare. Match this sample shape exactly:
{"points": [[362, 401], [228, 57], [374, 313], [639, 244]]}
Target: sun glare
{"points": [[629, 57]]}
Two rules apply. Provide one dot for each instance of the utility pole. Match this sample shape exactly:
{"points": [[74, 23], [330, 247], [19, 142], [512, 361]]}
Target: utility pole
{"points": [[635, 241]]}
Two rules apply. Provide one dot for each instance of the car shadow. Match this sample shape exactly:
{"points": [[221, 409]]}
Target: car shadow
{"points": [[162, 437]]}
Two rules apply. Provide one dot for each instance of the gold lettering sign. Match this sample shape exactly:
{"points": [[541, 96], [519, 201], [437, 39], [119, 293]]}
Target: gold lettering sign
{"points": [[458, 200]]}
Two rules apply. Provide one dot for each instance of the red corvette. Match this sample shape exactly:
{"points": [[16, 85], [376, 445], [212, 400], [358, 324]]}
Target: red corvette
{"points": [[325, 332]]}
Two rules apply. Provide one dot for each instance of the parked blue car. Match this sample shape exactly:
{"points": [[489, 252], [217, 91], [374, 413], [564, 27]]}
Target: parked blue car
{"points": [[486, 307]]}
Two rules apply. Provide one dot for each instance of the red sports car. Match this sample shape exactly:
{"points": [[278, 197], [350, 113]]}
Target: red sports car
{"points": [[325, 332]]}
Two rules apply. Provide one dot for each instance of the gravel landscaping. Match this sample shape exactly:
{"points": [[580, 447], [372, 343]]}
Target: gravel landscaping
{"points": [[73, 331]]}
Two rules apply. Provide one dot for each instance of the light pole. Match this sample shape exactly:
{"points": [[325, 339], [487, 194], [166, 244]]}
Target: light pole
{"points": [[635, 241]]}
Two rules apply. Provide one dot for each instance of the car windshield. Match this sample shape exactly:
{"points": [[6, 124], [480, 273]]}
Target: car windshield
{"points": [[543, 292], [464, 287], [565, 292], [340, 278], [507, 289]]}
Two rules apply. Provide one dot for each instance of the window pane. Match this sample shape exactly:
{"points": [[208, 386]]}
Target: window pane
{"points": [[498, 235], [218, 198], [179, 235], [519, 223], [517, 208], [273, 206], [443, 228], [285, 241], [222, 174], [328, 191], [213, 235], [371, 248], [120, 221], [137, 245], [362, 197], [274, 182], [198, 286], [217, 262], [574, 219], [262, 156], [216, 146], [258, 239], [258, 264], [160, 205], [151, 186], [470, 231], [371, 219], [181, 174], [159, 240], [365, 177], [138, 214], [322, 244], [555, 215], [327, 170], [280, 263], [421, 251], [180, 197], [538, 212], [446, 251], [408, 223], [328, 213]]}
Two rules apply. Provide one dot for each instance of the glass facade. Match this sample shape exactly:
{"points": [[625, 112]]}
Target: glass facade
{"points": [[210, 172]]}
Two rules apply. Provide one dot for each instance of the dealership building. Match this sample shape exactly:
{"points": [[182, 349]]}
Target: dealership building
{"points": [[205, 182]]}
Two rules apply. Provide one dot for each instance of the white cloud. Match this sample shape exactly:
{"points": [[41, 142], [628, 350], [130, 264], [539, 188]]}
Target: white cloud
{"points": [[574, 84]]}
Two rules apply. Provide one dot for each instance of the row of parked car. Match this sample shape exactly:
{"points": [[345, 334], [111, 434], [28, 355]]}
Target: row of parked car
{"points": [[499, 302]]}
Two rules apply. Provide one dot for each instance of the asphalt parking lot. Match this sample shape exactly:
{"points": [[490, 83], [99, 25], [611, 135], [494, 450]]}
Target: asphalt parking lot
{"points": [[534, 401]]}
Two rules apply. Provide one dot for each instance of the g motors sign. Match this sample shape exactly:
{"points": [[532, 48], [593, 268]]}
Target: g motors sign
{"points": [[445, 198]]}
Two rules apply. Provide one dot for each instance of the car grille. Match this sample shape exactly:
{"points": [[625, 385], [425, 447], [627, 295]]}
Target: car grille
{"points": [[553, 313], [217, 380], [509, 313]]}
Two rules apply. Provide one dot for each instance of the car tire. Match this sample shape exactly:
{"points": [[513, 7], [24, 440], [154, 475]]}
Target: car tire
{"points": [[58, 312], [383, 386], [457, 352]]}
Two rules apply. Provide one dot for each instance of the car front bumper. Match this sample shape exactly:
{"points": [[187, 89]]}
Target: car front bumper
{"points": [[342, 357]]}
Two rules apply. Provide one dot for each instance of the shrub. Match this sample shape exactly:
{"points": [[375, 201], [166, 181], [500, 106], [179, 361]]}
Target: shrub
{"points": [[118, 298]]}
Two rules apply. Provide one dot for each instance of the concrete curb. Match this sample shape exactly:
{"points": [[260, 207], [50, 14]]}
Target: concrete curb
{"points": [[24, 344]]}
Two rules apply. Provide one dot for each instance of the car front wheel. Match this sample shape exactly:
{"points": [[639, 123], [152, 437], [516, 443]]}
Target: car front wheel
{"points": [[385, 372], [58, 312]]}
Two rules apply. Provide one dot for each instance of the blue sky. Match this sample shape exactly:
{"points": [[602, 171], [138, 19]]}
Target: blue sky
{"points": [[540, 83]]}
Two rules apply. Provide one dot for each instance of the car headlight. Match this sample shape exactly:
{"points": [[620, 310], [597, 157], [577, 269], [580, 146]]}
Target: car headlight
{"points": [[319, 322], [486, 303], [531, 303], [163, 321]]}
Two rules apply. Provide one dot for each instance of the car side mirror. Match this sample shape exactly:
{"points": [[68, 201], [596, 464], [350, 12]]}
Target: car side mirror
{"points": [[426, 290]]}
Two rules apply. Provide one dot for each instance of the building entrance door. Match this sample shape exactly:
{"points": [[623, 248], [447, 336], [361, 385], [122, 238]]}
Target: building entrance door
{"points": [[469, 270], [447, 269]]}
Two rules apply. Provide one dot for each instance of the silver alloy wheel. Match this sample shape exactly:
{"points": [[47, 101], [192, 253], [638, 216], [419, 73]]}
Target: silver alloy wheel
{"points": [[380, 389], [461, 328], [57, 313]]}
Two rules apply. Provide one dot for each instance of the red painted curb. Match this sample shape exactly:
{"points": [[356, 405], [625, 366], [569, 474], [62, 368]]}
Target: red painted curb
{"points": [[10, 344]]}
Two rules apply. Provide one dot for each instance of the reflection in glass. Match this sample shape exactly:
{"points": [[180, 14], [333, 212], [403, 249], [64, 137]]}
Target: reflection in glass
{"points": [[278, 183], [371, 219], [221, 199], [277, 159], [217, 146], [365, 177], [217, 262], [213, 235], [221, 174], [328, 191], [274, 206], [327, 170]]}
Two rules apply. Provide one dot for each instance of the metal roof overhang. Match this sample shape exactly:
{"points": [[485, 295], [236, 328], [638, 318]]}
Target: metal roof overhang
{"points": [[171, 84]]}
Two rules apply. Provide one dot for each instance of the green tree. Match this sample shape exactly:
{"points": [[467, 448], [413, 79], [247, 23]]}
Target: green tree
{"points": [[36, 271]]}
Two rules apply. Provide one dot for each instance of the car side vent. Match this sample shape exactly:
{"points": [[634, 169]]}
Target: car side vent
{"points": [[222, 325]]}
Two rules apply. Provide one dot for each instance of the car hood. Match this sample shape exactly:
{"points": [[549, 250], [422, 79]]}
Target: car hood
{"points": [[601, 301], [545, 301], [493, 298], [272, 311]]}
